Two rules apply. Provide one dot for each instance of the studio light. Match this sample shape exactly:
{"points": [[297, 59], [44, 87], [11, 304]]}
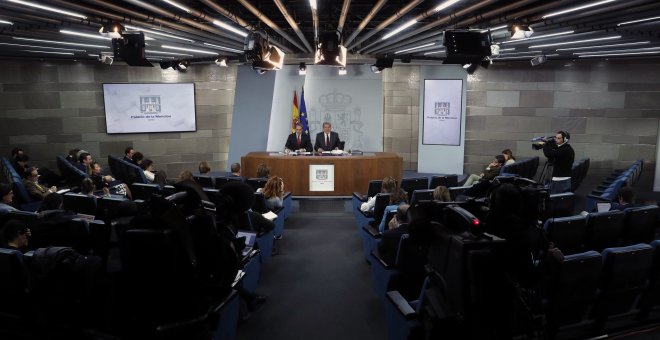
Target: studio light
{"points": [[381, 64], [263, 55], [519, 31], [221, 62], [330, 51], [302, 69], [111, 30], [182, 65], [342, 71], [495, 50]]}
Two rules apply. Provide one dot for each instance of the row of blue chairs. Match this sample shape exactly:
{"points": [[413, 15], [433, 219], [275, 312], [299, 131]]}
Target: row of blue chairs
{"points": [[126, 172], [600, 230], [524, 168], [579, 172], [608, 191]]}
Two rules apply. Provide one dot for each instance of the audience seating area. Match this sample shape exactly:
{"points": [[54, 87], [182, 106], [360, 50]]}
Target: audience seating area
{"points": [[525, 168], [609, 188], [21, 195]]}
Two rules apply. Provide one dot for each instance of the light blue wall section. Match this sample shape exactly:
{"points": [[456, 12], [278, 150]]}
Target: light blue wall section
{"points": [[251, 117], [442, 158]]}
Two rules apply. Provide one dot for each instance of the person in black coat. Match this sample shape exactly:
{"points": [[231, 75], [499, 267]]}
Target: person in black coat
{"points": [[561, 155], [327, 140], [299, 140]]}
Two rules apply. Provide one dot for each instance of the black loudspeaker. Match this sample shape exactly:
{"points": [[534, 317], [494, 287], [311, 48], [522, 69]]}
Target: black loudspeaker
{"points": [[465, 47], [130, 49]]}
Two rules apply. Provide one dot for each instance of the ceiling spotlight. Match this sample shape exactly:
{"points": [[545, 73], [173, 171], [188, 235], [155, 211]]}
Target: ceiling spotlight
{"points": [[519, 31], [381, 64], [302, 69], [261, 53], [330, 51], [222, 62], [183, 65], [494, 50], [466, 66], [112, 30], [342, 71], [106, 59]]}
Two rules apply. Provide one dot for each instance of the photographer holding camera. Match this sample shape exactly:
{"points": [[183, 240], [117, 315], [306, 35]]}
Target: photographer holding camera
{"points": [[561, 155]]}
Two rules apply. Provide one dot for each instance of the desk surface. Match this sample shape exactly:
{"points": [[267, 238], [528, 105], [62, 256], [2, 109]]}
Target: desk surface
{"points": [[352, 173]]}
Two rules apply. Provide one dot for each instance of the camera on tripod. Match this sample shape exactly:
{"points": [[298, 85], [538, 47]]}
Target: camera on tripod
{"points": [[538, 142]]}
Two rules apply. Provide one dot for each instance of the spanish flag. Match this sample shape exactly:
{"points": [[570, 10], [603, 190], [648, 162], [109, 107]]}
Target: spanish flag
{"points": [[295, 117]]}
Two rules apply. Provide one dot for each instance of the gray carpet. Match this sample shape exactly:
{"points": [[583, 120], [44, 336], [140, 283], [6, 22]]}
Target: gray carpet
{"points": [[319, 285]]}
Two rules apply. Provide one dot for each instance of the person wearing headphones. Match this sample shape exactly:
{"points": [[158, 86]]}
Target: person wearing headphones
{"points": [[561, 155]]}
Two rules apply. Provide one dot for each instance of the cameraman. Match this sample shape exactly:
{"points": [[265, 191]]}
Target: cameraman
{"points": [[561, 155]]}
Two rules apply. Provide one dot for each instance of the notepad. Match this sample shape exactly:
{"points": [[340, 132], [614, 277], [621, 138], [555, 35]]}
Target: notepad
{"points": [[270, 215], [250, 238]]}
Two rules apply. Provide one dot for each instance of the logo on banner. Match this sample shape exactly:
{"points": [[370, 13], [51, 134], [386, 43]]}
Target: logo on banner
{"points": [[321, 174], [149, 104], [442, 108]]}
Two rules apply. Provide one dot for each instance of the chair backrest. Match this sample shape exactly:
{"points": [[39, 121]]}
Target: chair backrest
{"points": [[444, 180], [412, 184], [114, 163], [107, 207], [256, 182], [142, 191], [374, 187], [72, 175], [382, 201], [567, 233], [641, 225], [204, 180], [80, 203], [421, 195], [561, 205], [14, 283], [454, 192], [575, 289], [625, 274], [605, 229], [259, 203], [220, 181]]}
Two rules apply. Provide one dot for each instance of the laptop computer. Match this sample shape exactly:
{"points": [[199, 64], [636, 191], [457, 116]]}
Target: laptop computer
{"points": [[250, 238]]}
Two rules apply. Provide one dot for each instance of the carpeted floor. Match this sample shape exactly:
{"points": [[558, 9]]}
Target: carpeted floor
{"points": [[319, 285]]}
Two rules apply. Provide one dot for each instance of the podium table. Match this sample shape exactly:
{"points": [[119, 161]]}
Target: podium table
{"points": [[351, 172]]}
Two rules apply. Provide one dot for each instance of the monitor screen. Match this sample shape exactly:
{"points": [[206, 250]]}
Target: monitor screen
{"points": [[140, 108]]}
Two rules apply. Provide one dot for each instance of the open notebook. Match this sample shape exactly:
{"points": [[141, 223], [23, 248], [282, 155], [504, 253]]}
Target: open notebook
{"points": [[249, 240]]}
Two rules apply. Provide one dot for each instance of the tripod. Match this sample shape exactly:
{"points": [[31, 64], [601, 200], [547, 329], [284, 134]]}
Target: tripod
{"points": [[543, 176]]}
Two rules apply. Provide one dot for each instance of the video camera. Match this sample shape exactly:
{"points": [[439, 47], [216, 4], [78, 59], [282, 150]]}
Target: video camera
{"points": [[537, 141]]}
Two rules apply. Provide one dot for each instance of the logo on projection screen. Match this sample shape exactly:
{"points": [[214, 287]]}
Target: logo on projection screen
{"points": [[150, 104], [321, 175], [442, 108]]}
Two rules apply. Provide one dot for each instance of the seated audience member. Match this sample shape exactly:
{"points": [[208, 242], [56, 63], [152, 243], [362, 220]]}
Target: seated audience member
{"points": [[185, 175], [15, 235], [20, 163], [400, 217], [31, 183], [626, 200], [106, 181], [389, 243], [508, 157], [203, 167], [492, 171], [72, 157], [235, 170], [263, 171], [128, 154], [6, 198], [398, 198], [274, 193], [390, 186], [138, 157], [148, 168], [441, 194], [84, 161], [15, 152], [88, 188]]}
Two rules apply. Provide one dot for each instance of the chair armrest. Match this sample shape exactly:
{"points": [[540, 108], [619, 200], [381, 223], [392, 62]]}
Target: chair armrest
{"points": [[359, 196], [367, 214], [251, 255], [375, 254], [372, 231], [402, 305]]}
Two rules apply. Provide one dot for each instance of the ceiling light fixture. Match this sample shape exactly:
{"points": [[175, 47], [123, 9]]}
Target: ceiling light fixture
{"points": [[616, 54], [264, 56], [519, 31], [342, 71], [537, 37], [435, 52], [230, 28], [106, 58], [169, 53], [48, 8], [414, 48], [221, 62], [399, 29], [85, 35], [302, 69], [60, 42], [494, 28], [330, 50], [601, 46], [6, 22], [48, 52], [507, 49], [575, 42], [158, 33], [593, 4], [224, 48], [178, 5], [444, 5], [620, 51], [636, 21], [187, 49]]}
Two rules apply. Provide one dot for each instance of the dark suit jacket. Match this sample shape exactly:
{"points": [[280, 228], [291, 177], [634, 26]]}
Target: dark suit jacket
{"points": [[320, 141], [305, 142]]}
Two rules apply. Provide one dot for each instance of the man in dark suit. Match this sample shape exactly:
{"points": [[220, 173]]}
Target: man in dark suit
{"points": [[326, 140], [299, 140]]}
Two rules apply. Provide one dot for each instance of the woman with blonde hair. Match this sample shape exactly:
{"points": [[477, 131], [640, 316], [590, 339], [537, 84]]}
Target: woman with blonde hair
{"points": [[203, 167], [441, 193], [274, 193]]}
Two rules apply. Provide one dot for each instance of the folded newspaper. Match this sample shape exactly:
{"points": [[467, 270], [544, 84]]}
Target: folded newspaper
{"points": [[270, 215]]}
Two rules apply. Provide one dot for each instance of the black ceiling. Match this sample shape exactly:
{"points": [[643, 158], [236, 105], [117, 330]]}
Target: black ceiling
{"points": [[581, 32]]}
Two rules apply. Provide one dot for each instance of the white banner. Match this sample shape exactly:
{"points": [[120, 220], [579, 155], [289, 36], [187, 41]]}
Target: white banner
{"points": [[442, 111]]}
